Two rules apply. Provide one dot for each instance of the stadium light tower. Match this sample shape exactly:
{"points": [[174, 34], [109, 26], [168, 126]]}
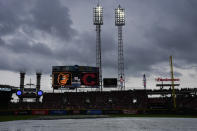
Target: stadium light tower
{"points": [[98, 21], [119, 22]]}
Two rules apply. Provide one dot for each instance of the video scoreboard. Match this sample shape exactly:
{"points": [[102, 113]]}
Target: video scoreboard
{"points": [[110, 82], [75, 77]]}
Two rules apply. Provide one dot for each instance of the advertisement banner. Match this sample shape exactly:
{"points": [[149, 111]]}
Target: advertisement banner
{"points": [[94, 112], [39, 112], [57, 112]]}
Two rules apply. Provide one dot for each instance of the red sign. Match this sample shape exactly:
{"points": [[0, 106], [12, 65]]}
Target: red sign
{"points": [[89, 79], [166, 79]]}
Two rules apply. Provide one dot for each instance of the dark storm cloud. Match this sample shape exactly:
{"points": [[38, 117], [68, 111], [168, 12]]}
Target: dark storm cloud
{"points": [[50, 16], [22, 47], [8, 17], [1, 42], [46, 15], [23, 56], [53, 32], [162, 28], [26, 29]]}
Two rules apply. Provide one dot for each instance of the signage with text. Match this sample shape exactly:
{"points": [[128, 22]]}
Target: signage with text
{"points": [[166, 79]]}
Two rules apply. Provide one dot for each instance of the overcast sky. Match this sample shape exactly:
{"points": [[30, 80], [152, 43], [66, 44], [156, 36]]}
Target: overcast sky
{"points": [[37, 34]]}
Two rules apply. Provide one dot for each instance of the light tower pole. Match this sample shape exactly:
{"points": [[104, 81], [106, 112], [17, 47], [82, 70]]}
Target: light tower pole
{"points": [[120, 21], [98, 21]]}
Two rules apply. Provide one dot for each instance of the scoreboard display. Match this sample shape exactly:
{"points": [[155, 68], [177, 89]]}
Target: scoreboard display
{"points": [[110, 82], [75, 77]]}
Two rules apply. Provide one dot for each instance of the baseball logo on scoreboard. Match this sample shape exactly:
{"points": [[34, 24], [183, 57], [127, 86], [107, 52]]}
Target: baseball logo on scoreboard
{"points": [[62, 78]]}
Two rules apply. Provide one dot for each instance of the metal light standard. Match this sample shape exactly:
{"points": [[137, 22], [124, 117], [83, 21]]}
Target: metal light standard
{"points": [[98, 21], [120, 21]]}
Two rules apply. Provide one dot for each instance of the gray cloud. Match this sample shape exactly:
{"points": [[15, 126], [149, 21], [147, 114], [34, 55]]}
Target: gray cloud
{"points": [[26, 30], [51, 17], [160, 29], [41, 33]]}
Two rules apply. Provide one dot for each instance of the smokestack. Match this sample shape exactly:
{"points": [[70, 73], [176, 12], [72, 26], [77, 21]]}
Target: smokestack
{"points": [[22, 80], [38, 76]]}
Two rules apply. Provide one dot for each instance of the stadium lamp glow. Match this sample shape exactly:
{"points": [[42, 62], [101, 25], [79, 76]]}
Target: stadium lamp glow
{"points": [[119, 16], [98, 15], [40, 93], [19, 93]]}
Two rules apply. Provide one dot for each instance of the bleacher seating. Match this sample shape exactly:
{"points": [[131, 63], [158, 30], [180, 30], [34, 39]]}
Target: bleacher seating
{"points": [[96, 100]]}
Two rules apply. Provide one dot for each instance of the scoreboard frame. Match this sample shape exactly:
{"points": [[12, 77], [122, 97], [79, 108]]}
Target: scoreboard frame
{"points": [[86, 77]]}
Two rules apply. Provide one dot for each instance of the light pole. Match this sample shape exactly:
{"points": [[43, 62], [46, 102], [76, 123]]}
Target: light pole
{"points": [[119, 22], [98, 21]]}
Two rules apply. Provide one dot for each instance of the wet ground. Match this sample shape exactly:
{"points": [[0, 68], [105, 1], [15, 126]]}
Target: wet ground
{"points": [[103, 124]]}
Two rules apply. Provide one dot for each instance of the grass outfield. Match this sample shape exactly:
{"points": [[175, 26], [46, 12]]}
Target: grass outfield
{"points": [[16, 117], [51, 117]]}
